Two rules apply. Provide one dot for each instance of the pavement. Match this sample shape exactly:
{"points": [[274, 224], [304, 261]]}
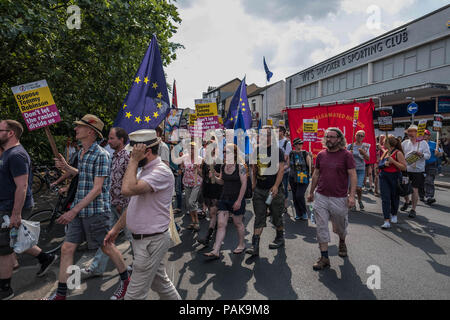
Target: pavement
{"points": [[413, 259]]}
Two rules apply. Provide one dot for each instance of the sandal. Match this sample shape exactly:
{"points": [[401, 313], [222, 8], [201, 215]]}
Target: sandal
{"points": [[211, 256], [238, 251]]}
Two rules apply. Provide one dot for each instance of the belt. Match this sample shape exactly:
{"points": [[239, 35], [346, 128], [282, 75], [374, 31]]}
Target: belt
{"points": [[142, 236]]}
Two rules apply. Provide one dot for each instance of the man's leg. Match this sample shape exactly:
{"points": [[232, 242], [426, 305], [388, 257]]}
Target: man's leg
{"points": [[276, 210], [339, 220], [260, 211], [163, 286], [322, 216], [149, 253], [6, 272]]}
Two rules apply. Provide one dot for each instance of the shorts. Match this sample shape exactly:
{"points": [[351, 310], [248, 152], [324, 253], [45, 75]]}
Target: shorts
{"points": [[330, 209], [417, 179], [5, 248], [227, 205], [90, 229], [276, 207], [210, 202], [360, 175]]}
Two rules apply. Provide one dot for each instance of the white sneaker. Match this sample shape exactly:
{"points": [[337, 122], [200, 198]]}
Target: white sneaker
{"points": [[87, 273], [386, 225], [394, 219]]}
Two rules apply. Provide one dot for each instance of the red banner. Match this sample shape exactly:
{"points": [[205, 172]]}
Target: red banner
{"points": [[340, 116]]}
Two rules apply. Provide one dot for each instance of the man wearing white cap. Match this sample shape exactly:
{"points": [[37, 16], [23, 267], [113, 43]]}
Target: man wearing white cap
{"points": [[416, 152], [148, 217]]}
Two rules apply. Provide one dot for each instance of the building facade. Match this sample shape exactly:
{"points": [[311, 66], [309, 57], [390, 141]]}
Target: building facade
{"points": [[268, 103], [411, 62]]}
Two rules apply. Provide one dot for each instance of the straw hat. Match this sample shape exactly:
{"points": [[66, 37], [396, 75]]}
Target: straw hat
{"points": [[145, 136], [93, 122], [412, 127]]}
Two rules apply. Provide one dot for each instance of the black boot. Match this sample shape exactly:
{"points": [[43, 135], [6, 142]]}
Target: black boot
{"points": [[205, 241], [279, 240], [254, 249]]}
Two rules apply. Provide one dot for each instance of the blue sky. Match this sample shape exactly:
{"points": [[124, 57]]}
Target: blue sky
{"points": [[225, 39]]}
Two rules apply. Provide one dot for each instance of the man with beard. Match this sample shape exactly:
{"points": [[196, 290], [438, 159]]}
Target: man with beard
{"points": [[147, 217], [16, 200], [88, 218], [334, 168]]}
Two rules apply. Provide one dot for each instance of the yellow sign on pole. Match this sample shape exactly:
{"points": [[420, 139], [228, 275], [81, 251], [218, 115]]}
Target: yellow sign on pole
{"points": [[192, 118], [206, 108], [269, 122], [421, 129]]}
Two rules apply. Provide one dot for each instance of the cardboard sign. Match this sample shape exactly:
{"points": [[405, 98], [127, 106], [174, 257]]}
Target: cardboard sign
{"points": [[174, 117], [202, 125], [384, 117], [421, 129], [310, 128], [206, 108], [437, 123], [36, 104]]}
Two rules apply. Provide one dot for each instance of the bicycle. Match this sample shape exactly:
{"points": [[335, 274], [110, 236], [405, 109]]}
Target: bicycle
{"points": [[52, 233], [43, 175]]}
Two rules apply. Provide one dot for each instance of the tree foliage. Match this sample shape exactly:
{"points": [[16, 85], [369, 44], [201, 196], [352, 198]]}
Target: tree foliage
{"points": [[89, 70]]}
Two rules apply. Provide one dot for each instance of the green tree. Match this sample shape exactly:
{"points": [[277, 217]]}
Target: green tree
{"points": [[89, 70]]}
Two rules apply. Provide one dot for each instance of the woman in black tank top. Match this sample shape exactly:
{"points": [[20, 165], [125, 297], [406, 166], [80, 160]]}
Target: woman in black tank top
{"points": [[234, 179]]}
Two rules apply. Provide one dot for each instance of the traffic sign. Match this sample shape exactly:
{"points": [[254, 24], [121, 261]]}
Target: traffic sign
{"points": [[412, 108]]}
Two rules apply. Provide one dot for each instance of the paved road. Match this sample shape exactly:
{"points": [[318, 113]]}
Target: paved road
{"points": [[413, 258]]}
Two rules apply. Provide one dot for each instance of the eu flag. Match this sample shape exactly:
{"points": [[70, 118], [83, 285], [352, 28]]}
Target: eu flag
{"points": [[239, 102], [147, 102], [266, 68], [240, 124]]}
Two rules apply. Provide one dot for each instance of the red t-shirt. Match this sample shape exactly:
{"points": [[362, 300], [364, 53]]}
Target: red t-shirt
{"points": [[333, 175]]}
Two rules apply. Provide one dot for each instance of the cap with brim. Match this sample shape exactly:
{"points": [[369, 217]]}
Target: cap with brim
{"points": [[427, 132], [297, 141], [92, 122], [145, 136]]}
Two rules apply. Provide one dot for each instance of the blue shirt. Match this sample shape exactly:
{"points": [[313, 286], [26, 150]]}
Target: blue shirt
{"points": [[433, 158], [96, 162], [14, 162]]}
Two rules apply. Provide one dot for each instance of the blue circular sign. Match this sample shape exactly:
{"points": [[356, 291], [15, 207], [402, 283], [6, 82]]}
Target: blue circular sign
{"points": [[412, 108]]}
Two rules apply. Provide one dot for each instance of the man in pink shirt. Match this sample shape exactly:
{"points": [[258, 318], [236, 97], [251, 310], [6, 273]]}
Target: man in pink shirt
{"points": [[334, 169], [147, 217]]}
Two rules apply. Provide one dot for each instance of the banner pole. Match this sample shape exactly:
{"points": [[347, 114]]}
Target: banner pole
{"points": [[52, 142]]}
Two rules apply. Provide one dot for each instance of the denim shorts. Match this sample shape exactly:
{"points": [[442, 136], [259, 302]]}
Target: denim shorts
{"points": [[360, 174], [227, 205], [90, 229]]}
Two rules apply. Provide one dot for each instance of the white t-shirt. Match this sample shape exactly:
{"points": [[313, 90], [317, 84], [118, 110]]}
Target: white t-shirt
{"points": [[409, 147]]}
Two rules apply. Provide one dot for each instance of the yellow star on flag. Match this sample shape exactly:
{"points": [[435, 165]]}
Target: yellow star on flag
{"points": [[124, 106], [146, 80], [243, 109], [128, 115], [243, 103], [155, 85], [159, 95], [240, 99], [159, 105], [138, 119], [231, 119], [147, 119], [155, 114], [137, 80]]}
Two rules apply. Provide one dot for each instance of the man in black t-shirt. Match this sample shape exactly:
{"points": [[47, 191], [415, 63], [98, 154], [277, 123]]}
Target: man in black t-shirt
{"points": [[267, 177], [16, 199]]}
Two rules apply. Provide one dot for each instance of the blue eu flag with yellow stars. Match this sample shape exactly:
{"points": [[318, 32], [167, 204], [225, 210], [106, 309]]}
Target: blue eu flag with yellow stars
{"points": [[147, 102], [239, 101]]}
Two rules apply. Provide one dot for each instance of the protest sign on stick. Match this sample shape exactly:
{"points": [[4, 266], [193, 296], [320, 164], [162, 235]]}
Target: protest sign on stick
{"points": [[38, 108]]}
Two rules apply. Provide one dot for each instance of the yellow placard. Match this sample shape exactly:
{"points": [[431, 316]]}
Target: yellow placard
{"points": [[206, 109], [192, 118], [34, 99], [421, 128], [269, 122], [310, 126], [356, 113]]}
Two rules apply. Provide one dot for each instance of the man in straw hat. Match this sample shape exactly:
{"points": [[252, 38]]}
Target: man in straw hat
{"points": [[88, 218], [418, 151], [148, 217]]}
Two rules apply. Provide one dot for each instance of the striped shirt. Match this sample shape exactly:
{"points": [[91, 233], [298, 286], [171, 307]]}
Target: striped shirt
{"points": [[96, 162]]}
